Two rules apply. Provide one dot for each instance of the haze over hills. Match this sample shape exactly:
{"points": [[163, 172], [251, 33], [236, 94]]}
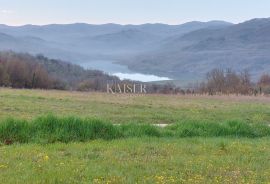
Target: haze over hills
{"points": [[185, 51], [242, 46]]}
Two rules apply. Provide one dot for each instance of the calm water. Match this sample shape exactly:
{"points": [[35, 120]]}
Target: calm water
{"points": [[121, 71], [140, 77]]}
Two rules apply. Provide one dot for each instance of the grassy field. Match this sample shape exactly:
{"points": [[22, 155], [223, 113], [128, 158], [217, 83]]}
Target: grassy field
{"points": [[29, 104], [212, 139], [144, 160]]}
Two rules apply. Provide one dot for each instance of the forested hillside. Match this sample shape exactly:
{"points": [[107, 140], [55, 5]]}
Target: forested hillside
{"points": [[20, 70]]}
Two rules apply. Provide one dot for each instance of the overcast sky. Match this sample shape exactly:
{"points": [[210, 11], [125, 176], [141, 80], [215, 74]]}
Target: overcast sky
{"points": [[19, 12]]}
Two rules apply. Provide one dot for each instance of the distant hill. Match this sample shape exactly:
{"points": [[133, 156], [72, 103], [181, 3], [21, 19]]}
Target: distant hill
{"points": [[55, 32], [80, 42], [241, 46], [184, 52]]}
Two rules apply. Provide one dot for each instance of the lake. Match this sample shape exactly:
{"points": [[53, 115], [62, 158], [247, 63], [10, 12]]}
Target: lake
{"points": [[121, 71]]}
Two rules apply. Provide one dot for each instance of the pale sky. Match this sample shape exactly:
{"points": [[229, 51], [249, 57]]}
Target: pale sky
{"points": [[40, 12]]}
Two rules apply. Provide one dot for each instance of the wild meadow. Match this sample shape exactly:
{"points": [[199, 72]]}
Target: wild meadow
{"points": [[119, 109], [75, 137], [139, 160]]}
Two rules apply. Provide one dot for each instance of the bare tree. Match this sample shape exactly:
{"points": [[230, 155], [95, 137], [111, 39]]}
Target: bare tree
{"points": [[264, 84], [215, 81]]}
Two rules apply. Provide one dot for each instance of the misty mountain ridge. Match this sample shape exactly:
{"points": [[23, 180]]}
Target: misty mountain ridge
{"points": [[241, 46], [81, 42], [185, 51]]}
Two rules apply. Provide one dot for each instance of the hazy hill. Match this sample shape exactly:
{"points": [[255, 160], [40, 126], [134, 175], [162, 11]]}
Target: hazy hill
{"points": [[241, 46], [90, 45], [124, 41], [183, 52], [88, 41], [60, 31]]}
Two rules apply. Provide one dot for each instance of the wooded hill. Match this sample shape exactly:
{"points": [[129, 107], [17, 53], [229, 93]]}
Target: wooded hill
{"points": [[20, 70]]}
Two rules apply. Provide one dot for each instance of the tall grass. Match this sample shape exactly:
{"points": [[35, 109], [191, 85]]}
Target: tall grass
{"points": [[50, 129], [228, 128]]}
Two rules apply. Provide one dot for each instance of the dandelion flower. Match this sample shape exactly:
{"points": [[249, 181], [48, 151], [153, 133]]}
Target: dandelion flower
{"points": [[46, 157]]}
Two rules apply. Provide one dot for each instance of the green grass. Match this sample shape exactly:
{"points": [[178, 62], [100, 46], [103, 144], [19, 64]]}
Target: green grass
{"points": [[28, 104], [51, 129], [141, 160], [220, 139]]}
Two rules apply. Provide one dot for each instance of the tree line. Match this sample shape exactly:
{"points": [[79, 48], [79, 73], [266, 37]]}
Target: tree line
{"points": [[221, 82]]}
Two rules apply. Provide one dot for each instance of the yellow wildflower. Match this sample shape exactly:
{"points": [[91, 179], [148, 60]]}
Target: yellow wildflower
{"points": [[3, 166], [46, 157]]}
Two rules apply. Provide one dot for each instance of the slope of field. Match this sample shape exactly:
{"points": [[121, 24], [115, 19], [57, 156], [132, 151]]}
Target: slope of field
{"points": [[142, 158], [29, 104]]}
